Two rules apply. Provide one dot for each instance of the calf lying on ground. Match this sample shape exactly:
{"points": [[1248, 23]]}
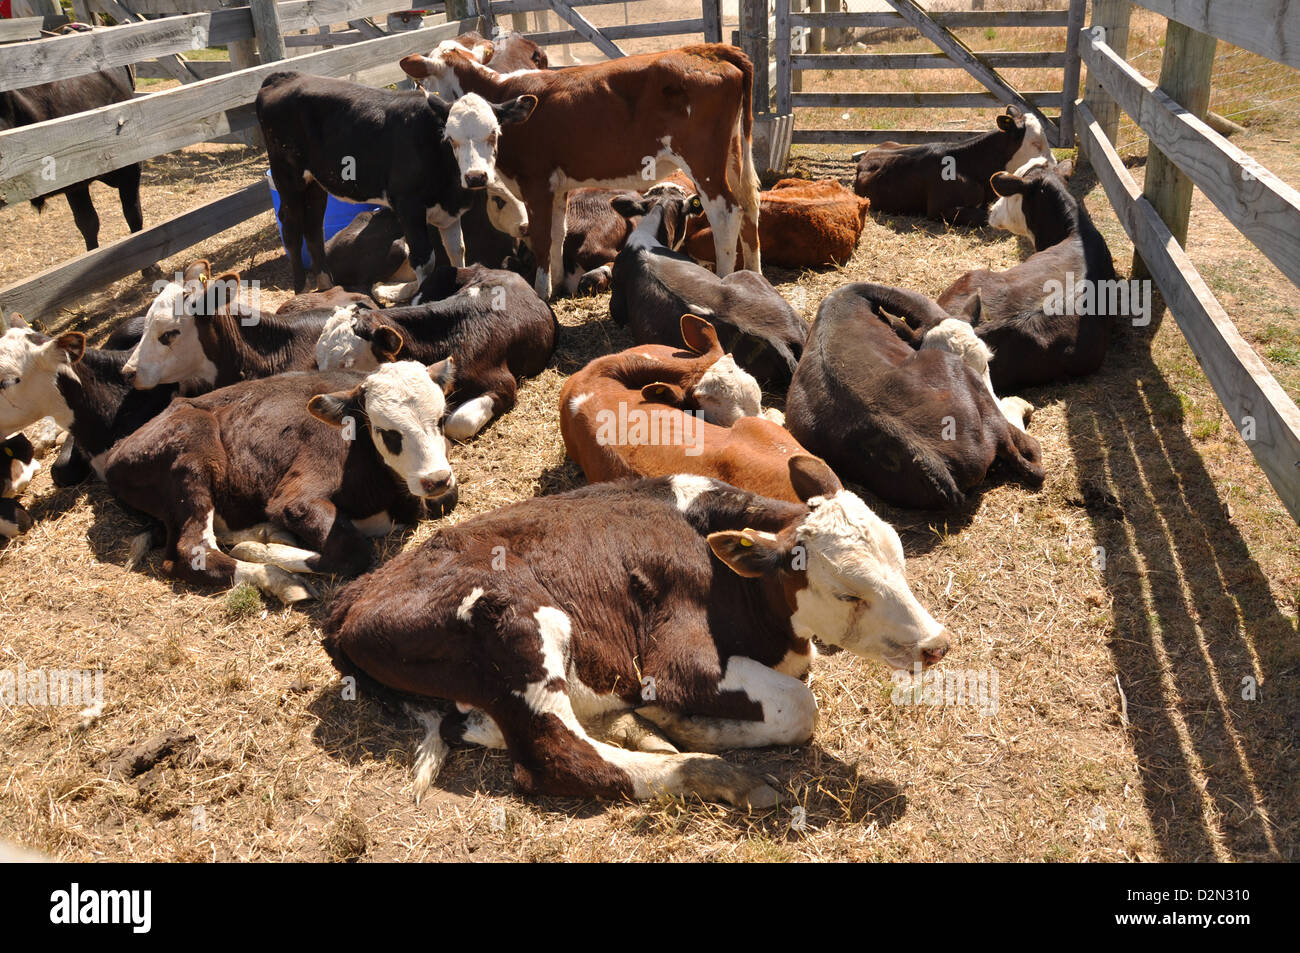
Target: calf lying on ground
{"points": [[679, 601], [1037, 330], [328, 457], [653, 411], [331, 300], [18, 464], [653, 286], [949, 181], [490, 322], [801, 224], [407, 150], [916, 427]]}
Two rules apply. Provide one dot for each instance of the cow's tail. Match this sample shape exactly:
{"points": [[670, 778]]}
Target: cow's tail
{"points": [[739, 59]]}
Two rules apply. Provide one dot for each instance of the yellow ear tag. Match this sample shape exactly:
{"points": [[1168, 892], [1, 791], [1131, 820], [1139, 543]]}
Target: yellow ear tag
{"points": [[746, 541]]}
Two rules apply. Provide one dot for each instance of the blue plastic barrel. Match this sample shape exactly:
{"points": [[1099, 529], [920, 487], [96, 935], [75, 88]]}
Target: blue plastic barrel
{"points": [[338, 216]]}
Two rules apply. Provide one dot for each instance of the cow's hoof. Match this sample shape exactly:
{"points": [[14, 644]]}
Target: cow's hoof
{"points": [[274, 581], [289, 558], [714, 779]]}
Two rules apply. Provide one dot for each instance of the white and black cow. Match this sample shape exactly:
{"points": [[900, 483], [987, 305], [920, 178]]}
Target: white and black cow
{"points": [[672, 614], [408, 150], [18, 464]]}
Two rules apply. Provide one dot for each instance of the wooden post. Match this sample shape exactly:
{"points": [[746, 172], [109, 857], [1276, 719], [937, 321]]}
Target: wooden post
{"points": [[753, 40], [519, 22], [817, 35], [1185, 75], [266, 26], [711, 10], [1113, 17], [1070, 88]]}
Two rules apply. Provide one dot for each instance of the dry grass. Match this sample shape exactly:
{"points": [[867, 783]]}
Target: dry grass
{"points": [[1199, 589]]}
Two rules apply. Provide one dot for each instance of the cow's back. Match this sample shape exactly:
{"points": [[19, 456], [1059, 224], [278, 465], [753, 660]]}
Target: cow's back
{"points": [[64, 97]]}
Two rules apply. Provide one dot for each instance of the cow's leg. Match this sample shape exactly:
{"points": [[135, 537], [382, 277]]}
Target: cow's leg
{"points": [[292, 211], [83, 213], [315, 200], [1017, 410], [596, 281], [725, 219], [414, 222], [454, 242], [128, 191], [785, 711], [476, 413], [749, 203], [336, 545], [559, 223]]}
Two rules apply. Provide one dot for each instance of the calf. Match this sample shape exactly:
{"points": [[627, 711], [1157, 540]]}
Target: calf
{"points": [[653, 411], [18, 458], [949, 181], [653, 286], [1037, 336], [328, 457], [64, 97], [679, 601], [490, 322], [331, 300], [801, 224], [652, 113], [406, 150], [507, 51], [916, 427]]}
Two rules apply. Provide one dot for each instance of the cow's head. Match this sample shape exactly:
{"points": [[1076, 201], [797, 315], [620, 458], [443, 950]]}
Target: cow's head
{"points": [[1034, 202], [506, 213], [169, 349], [18, 464], [1026, 135], [472, 126], [842, 568], [29, 367], [514, 52], [400, 407], [356, 340], [678, 206], [723, 393], [436, 73]]}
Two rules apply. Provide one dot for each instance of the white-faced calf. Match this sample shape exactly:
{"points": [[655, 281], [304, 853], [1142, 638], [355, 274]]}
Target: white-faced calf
{"points": [[18, 464]]}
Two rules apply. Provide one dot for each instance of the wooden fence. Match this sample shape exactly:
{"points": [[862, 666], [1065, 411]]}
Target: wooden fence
{"points": [[1186, 151]]}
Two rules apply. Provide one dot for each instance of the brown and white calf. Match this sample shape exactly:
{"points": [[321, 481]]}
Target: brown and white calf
{"points": [[491, 323], [407, 150], [620, 124], [655, 411], [801, 224], [949, 181], [1050, 316], [329, 457], [669, 615], [917, 427]]}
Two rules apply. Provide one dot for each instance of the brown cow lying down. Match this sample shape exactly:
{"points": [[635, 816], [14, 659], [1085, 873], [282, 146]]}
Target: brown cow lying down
{"points": [[666, 615], [916, 427], [801, 224], [654, 411], [328, 457]]}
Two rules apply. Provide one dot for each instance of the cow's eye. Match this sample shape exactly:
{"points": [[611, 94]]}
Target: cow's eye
{"points": [[501, 203], [392, 440], [850, 598], [166, 338], [10, 382]]}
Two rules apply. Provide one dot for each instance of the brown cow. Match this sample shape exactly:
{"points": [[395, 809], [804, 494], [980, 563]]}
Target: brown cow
{"points": [[620, 124]]}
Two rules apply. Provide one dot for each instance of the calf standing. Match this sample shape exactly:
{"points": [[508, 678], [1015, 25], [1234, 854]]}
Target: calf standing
{"points": [[407, 150], [916, 427]]}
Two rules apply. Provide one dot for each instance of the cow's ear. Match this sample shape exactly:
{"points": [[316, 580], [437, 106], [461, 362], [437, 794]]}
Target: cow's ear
{"points": [[416, 66], [1014, 111], [663, 393], [199, 271], [444, 374], [747, 552], [72, 344], [386, 343], [517, 110], [334, 408], [629, 207], [1008, 124], [694, 206], [14, 320], [699, 334], [222, 291], [1065, 169], [812, 476], [974, 307], [1004, 183]]}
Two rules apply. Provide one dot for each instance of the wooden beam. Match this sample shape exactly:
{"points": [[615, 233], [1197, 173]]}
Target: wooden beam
{"points": [[170, 62], [1070, 87], [781, 50], [754, 42], [268, 29], [891, 61], [622, 32], [38, 296], [712, 13], [28, 28], [1270, 28], [585, 29], [853, 100], [951, 20], [854, 137], [1112, 17], [1257, 405]]}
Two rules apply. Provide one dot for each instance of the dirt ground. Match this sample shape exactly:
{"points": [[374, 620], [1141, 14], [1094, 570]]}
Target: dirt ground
{"points": [[1128, 609]]}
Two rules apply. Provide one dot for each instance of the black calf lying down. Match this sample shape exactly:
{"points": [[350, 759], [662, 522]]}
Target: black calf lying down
{"points": [[628, 621], [18, 464], [1038, 336], [653, 286], [916, 427], [491, 323], [327, 457]]}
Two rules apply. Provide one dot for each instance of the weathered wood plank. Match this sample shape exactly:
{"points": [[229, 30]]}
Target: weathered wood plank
{"points": [[754, 40], [781, 50], [99, 140], [1070, 86], [890, 61], [585, 29], [1270, 28], [28, 28], [268, 29], [1255, 402], [712, 13], [202, 69], [627, 31], [1112, 16], [853, 137], [37, 297], [952, 20], [852, 100]]}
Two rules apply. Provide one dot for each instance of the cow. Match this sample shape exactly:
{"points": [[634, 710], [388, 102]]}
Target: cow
{"points": [[1036, 335], [64, 97], [407, 150], [653, 411], [687, 108], [507, 52], [18, 458], [490, 322], [328, 457], [652, 286], [917, 427], [672, 614], [801, 224], [949, 181], [331, 300]]}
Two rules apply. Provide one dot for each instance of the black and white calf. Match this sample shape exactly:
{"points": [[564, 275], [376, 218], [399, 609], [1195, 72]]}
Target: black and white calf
{"points": [[18, 464], [409, 150]]}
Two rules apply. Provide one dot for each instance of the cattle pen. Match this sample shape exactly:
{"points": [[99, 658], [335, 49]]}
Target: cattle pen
{"points": [[1135, 619]]}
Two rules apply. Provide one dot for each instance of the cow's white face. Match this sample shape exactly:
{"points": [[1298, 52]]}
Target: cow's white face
{"points": [[857, 594], [506, 213], [169, 350], [404, 408], [340, 348], [29, 367], [1034, 145], [726, 392], [1008, 212], [472, 131], [20, 474]]}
